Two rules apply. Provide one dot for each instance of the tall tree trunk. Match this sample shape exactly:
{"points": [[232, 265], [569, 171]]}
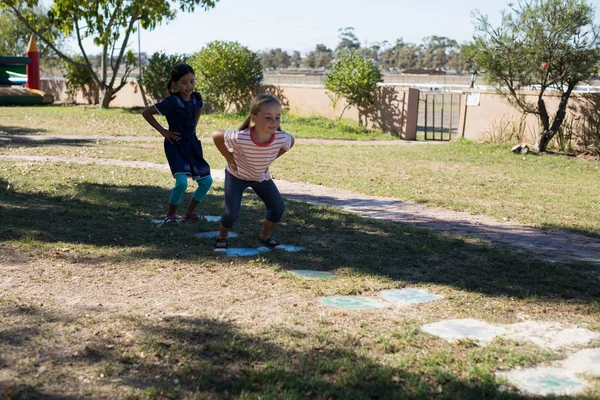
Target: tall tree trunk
{"points": [[107, 96], [545, 138], [549, 132]]}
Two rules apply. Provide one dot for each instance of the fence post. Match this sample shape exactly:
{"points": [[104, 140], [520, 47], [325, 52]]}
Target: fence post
{"points": [[412, 114], [462, 121]]}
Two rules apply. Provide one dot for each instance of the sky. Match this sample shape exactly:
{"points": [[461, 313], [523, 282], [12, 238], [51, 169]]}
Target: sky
{"points": [[301, 25]]}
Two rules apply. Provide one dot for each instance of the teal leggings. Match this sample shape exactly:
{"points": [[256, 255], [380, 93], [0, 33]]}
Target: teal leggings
{"points": [[181, 183]]}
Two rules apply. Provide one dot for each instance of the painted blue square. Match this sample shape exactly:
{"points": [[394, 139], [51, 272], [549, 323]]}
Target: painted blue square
{"points": [[312, 274], [351, 302], [408, 296]]}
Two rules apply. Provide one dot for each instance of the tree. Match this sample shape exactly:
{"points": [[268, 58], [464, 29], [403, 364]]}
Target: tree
{"points": [[14, 35], [348, 40], [78, 79], [274, 59], [402, 56], [321, 57], [372, 52], [109, 22], [437, 51], [266, 60], [542, 45], [157, 72], [295, 60], [227, 74], [281, 58], [354, 78]]}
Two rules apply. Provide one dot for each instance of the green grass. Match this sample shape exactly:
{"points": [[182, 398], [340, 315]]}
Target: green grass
{"points": [[102, 304], [65, 120], [553, 192], [550, 192]]}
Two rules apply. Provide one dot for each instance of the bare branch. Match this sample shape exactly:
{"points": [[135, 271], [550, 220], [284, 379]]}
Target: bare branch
{"points": [[132, 21], [89, 64]]}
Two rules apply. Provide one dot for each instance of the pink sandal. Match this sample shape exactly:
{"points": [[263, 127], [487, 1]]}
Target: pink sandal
{"points": [[191, 217]]}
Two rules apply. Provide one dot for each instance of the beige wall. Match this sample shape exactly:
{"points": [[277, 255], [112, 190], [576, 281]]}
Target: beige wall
{"points": [[395, 110], [494, 114]]}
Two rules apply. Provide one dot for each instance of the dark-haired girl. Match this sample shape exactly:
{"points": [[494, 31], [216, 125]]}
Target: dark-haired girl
{"points": [[182, 147]]}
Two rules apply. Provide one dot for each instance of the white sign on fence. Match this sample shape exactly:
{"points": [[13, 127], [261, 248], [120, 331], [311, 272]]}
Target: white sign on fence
{"points": [[473, 99]]}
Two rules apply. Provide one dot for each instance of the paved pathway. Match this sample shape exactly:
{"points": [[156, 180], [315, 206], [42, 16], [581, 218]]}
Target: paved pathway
{"points": [[553, 246]]}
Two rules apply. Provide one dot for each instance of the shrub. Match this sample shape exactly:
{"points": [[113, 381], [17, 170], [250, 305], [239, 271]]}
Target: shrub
{"points": [[354, 78], [80, 79], [227, 74], [157, 72]]}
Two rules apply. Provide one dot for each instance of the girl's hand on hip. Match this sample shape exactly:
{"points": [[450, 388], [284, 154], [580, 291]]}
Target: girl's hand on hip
{"points": [[231, 163], [170, 136]]}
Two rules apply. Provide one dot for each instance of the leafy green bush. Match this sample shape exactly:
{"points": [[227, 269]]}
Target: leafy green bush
{"points": [[157, 72], [80, 79], [226, 74], [354, 78]]}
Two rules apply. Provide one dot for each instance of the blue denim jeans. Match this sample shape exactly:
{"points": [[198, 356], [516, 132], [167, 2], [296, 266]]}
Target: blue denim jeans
{"points": [[266, 190]]}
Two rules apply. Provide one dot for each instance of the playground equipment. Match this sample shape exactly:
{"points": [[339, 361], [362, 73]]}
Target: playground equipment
{"points": [[18, 71]]}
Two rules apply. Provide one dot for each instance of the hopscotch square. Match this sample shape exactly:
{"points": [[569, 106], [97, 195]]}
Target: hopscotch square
{"points": [[406, 297], [352, 302], [458, 329], [213, 235], [312, 274], [545, 381]]}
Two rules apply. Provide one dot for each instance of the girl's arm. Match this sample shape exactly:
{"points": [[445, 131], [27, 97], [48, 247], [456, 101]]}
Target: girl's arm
{"points": [[282, 151], [219, 139], [197, 116], [148, 115]]}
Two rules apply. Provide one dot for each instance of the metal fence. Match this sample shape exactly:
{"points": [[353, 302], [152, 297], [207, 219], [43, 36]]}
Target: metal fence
{"points": [[438, 116]]}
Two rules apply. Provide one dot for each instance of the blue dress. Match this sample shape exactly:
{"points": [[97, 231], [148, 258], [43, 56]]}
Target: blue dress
{"points": [[184, 155]]}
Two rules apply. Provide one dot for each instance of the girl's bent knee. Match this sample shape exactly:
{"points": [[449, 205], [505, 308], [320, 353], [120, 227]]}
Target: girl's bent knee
{"points": [[178, 190], [274, 214], [228, 220]]}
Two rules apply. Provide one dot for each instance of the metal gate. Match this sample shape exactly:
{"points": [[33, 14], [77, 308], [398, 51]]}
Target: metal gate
{"points": [[438, 115]]}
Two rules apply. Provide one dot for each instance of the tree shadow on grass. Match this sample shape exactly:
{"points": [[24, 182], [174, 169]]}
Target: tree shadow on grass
{"points": [[177, 357], [49, 141], [19, 130], [118, 217]]}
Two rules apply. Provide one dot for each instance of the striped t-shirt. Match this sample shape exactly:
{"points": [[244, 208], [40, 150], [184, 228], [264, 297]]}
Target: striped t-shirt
{"points": [[251, 158]]}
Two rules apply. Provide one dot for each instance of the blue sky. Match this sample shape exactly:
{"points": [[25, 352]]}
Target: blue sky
{"points": [[300, 25]]}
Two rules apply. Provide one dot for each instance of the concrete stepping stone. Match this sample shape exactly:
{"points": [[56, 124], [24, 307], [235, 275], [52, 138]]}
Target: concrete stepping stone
{"points": [[584, 362], [289, 248], [408, 296], [240, 252], [249, 252], [312, 274], [551, 335], [213, 234], [456, 329], [545, 381], [207, 218], [352, 302]]}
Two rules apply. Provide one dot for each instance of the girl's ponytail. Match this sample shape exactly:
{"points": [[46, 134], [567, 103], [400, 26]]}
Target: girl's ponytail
{"points": [[245, 125], [169, 86]]}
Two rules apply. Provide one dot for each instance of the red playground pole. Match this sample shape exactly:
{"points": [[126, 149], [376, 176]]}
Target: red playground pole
{"points": [[33, 68]]}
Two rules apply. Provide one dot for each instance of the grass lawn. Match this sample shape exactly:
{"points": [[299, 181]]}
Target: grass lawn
{"points": [[96, 302], [56, 120], [552, 192]]}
